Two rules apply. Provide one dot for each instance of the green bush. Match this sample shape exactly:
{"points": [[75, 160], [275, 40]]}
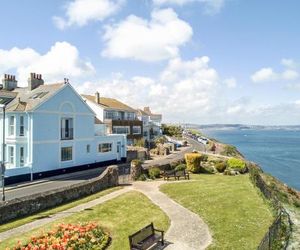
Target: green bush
{"points": [[142, 177], [136, 162], [221, 166], [154, 172], [193, 162], [180, 167], [139, 142], [236, 164]]}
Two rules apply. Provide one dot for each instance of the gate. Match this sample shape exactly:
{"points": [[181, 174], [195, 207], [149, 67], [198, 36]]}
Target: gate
{"points": [[124, 174]]}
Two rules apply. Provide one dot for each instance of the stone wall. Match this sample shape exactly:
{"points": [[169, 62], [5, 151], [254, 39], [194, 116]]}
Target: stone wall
{"points": [[28, 205], [137, 153]]}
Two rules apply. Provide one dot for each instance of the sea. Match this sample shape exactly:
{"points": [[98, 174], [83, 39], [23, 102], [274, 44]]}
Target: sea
{"points": [[276, 151]]}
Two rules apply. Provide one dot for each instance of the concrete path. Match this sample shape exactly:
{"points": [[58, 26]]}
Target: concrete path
{"points": [[38, 223], [187, 230]]}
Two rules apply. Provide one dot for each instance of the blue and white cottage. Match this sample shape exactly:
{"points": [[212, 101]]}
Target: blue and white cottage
{"points": [[49, 129]]}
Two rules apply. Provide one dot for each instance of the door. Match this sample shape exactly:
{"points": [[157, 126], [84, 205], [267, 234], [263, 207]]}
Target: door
{"points": [[118, 151]]}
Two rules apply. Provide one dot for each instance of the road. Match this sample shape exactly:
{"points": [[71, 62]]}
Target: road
{"points": [[38, 186]]}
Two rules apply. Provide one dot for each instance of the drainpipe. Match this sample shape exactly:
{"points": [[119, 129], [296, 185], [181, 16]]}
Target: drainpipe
{"points": [[3, 153]]}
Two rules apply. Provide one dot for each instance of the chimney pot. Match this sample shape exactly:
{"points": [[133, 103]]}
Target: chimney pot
{"points": [[97, 97], [34, 81], [9, 82]]}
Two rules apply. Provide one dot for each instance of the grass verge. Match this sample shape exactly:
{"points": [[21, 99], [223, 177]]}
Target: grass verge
{"points": [[235, 212], [28, 219], [120, 217]]}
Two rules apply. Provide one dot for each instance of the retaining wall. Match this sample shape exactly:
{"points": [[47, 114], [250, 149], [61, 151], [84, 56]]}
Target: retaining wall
{"points": [[29, 205]]}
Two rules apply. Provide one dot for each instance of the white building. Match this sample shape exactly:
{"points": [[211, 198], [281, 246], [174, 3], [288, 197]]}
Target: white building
{"points": [[49, 129], [118, 117], [151, 124]]}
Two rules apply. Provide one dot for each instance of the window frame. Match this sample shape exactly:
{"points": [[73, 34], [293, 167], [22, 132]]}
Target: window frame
{"points": [[140, 130], [103, 149], [11, 127], [65, 158], [11, 157], [22, 156], [22, 126]]}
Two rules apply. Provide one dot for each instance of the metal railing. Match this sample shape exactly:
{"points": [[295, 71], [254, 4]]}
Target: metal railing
{"points": [[280, 230], [66, 134]]}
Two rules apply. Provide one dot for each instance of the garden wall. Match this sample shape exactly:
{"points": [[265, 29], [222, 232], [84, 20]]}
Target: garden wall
{"points": [[28, 205]]}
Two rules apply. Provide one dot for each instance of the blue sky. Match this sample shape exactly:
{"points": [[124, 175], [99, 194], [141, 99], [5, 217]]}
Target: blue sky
{"points": [[200, 61]]}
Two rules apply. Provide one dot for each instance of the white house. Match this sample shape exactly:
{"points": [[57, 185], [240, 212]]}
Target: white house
{"points": [[151, 124], [118, 117], [49, 129]]}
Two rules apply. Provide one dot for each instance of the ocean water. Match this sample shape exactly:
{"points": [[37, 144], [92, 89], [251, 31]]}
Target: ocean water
{"points": [[276, 151]]}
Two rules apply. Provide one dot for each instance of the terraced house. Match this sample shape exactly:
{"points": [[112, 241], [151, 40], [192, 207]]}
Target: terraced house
{"points": [[118, 117], [151, 124], [49, 129]]}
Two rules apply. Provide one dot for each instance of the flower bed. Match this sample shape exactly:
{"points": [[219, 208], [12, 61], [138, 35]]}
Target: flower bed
{"points": [[68, 237]]}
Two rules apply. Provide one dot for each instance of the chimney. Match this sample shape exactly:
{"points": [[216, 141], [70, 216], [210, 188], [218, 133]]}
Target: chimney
{"points": [[34, 81], [147, 109], [9, 82], [97, 97]]}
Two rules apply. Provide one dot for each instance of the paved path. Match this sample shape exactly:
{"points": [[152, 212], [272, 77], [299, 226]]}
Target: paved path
{"points": [[187, 230]]}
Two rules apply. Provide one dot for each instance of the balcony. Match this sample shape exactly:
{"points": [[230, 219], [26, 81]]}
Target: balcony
{"points": [[66, 134]]}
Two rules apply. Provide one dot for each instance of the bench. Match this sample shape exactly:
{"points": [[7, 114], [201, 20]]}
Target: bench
{"points": [[169, 173], [182, 173], [146, 237]]}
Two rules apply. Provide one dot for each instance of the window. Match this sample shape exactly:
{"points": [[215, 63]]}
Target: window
{"points": [[130, 116], [22, 156], [136, 130], [21, 125], [121, 130], [66, 154], [88, 148], [104, 147], [39, 95], [11, 155], [67, 128], [11, 126]]}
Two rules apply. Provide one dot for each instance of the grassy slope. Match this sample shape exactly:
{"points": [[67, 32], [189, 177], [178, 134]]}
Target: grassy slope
{"points": [[236, 214], [25, 220], [121, 217]]}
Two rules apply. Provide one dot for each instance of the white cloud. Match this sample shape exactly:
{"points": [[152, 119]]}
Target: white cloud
{"points": [[62, 60], [230, 82], [290, 74], [81, 12], [264, 75], [153, 40], [290, 63], [211, 6], [191, 94]]}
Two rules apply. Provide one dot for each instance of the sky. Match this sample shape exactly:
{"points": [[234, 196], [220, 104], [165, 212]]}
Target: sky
{"points": [[194, 61]]}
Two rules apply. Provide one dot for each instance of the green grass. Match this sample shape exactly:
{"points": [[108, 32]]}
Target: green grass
{"points": [[237, 215], [28, 219], [120, 217]]}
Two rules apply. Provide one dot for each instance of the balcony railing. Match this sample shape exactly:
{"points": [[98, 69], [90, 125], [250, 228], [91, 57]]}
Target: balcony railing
{"points": [[67, 134]]}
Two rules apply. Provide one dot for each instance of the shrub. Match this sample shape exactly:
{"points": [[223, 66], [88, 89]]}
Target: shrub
{"points": [[193, 162], [180, 167], [236, 164], [139, 142], [221, 166], [230, 151], [143, 177], [154, 172], [67, 236]]}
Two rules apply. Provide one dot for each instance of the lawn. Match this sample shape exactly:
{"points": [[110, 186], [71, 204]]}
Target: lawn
{"points": [[48, 212], [120, 217], [237, 215]]}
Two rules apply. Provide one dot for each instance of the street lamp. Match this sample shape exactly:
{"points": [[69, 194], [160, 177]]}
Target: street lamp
{"points": [[3, 152]]}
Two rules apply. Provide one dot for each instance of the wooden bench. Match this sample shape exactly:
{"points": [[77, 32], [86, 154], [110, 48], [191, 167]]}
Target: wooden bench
{"points": [[168, 174], [146, 237], [182, 173]]}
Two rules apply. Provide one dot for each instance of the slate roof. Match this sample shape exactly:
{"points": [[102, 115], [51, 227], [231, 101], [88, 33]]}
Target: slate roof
{"points": [[110, 103], [22, 99]]}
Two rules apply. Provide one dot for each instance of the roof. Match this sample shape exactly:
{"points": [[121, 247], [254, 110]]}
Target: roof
{"points": [[23, 99], [148, 113], [110, 103]]}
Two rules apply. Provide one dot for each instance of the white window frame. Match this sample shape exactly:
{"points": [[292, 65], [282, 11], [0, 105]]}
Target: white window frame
{"points": [[103, 149], [137, 127], [116, 128], [11, 157], [62, 159], [22, 156], [22, 126], [70, 128], [11, 127]]}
